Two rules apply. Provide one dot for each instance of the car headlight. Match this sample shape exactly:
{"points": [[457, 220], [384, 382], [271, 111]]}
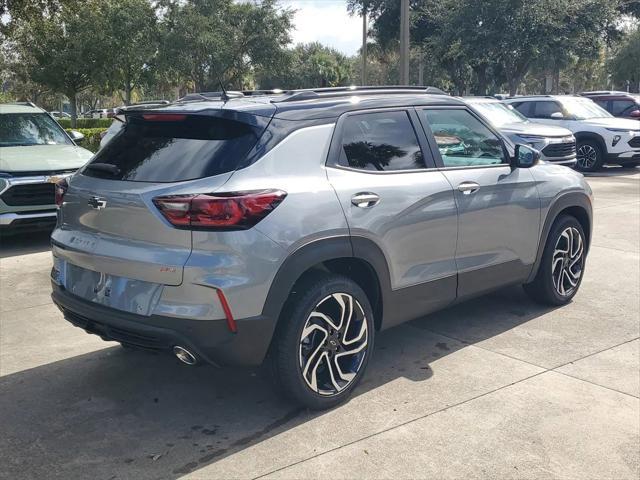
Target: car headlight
{"points": [[3, 184], [624, 130]]}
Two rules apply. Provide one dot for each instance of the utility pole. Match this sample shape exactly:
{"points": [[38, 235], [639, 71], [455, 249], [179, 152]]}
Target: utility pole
{"points": [[404, 42], [364, 45]]}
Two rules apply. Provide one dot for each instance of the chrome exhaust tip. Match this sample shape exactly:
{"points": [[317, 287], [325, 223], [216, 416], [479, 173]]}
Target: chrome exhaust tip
{"points": [[184, 355]]}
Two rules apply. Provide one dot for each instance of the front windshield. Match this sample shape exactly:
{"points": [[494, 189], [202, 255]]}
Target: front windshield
{"points": [[583, 109], [25, 129], [498, 113]]}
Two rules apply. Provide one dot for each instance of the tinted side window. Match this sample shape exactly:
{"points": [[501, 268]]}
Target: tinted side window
{"points": [[462, 139], [190, 147], [545, 109], [523, 107], [621, 107], [603, 103], [380, 141]]}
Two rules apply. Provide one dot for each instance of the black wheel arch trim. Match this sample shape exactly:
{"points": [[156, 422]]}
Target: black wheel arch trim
{"points": [[317, 252], [575, 199], [392, 307], [295, 265], [592, 136]]}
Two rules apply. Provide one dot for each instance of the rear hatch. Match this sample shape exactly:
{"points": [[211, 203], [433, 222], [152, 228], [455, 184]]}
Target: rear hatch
{"points": [[108, 223]]}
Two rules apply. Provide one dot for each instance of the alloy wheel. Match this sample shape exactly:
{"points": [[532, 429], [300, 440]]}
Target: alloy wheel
{"points": [[567, 261], [586, 157], [333, 344]]}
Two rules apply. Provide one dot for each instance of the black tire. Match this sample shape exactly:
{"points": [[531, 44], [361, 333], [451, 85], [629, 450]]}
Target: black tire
{"points": [[590, 156], [544, 287], [288, 349]]}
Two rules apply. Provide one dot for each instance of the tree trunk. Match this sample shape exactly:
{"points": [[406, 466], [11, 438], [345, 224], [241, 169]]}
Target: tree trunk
{"points": [[127, 93], [481, 80], [73, 105], [513, 86]]}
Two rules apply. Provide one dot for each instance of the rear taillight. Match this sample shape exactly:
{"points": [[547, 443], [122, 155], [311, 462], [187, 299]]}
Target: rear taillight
{"points": [[61, 189], [164, 117], [220, 211]]}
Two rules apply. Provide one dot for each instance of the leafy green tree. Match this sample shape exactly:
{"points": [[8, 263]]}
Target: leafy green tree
{"points": [[307, 66], [133, 38], [206, 42], [484, 44], [62, 51], [625, 65]]}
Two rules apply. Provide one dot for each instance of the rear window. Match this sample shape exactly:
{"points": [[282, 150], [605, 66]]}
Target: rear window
{"points": [[185, 147]]}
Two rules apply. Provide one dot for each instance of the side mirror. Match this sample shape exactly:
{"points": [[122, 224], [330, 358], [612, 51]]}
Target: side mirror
{"points": [[525, 157], [635, 114], [76, 136], [557, 115]]}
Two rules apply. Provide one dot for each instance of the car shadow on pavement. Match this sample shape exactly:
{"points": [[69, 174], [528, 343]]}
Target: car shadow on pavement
{"points": [[612, 171], [24, 243], [115, 413]]}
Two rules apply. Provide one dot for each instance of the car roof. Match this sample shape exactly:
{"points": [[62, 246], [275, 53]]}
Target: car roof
{"points": [[309, 104], [612, 96], [534, 98], [474, 99], [603, 92], [19, 107]]}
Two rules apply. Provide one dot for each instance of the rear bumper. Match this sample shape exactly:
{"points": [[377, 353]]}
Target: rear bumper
{"points": [[210, 340]]}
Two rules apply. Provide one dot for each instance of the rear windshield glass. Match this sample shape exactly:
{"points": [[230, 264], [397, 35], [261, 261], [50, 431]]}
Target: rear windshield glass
{"points": [[186, 148]]}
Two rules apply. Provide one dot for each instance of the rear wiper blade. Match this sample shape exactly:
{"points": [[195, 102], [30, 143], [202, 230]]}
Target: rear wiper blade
{"points": [[104, 167]]}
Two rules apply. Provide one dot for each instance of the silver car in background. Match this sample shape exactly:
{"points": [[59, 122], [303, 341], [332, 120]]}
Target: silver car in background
{"points": [[556, 144]]}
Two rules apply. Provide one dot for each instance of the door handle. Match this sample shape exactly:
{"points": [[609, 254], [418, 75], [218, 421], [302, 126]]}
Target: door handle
{"points": [[467, 188], [365, 199]]}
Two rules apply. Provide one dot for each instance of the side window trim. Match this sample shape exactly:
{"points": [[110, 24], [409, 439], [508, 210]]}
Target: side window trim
{"points": [[427, 143], [335, 147], [432, 139]]}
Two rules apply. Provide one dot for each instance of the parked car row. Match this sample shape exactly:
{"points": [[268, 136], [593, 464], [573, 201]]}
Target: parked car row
{"points": [[566, 130], [600, 137]]}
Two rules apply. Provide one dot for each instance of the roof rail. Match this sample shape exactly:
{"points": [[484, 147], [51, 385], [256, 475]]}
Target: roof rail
{"points": [[190, 97], [605, 92], [315, 93], [257, 93], [27, 104]]}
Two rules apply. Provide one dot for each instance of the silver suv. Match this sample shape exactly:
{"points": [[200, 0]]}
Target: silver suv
{"points": [[232, 228], [556, 144]]}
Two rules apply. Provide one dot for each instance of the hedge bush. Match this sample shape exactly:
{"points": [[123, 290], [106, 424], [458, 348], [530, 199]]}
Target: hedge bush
{"points": [[86, 122], [91, 140]]}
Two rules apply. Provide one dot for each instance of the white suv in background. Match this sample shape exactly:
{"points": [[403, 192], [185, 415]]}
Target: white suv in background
{"points": [[601, 138]]}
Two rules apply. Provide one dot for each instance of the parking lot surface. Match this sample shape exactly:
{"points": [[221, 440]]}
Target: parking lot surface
{"points": [[498, 387]]}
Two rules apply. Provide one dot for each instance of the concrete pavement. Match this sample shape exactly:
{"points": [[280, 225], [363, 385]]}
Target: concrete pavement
{"points": [[495, 388]]}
